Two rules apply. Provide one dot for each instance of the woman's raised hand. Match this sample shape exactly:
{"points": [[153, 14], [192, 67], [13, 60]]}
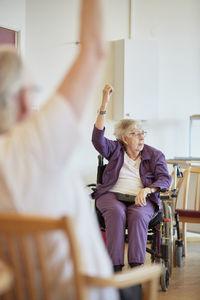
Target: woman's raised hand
{"points": [[107, 92]]}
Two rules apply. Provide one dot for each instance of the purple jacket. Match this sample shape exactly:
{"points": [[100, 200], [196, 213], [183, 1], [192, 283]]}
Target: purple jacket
{"points": [[153, 168]]}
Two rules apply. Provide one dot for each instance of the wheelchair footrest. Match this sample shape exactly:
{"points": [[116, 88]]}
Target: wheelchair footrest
{"points": [[153, 252]]}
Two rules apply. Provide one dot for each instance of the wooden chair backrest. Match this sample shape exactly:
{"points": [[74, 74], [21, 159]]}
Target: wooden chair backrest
{"points": [[15, 233], [187, 204]]}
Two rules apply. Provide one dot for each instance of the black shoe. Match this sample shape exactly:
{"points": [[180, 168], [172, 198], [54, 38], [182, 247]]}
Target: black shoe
{"points": [[133, 265], [117, 268], [131, 293]]}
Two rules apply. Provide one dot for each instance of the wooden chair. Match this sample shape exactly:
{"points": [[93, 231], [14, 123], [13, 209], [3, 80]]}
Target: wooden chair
{"points": [[6, 278], [190, 211], [21, 226]]}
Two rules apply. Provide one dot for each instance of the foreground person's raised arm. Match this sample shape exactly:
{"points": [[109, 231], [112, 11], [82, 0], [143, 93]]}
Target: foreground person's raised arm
{"points": [[79, 82]]}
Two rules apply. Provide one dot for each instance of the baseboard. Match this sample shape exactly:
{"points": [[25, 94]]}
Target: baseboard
{"points": [[191, 239]]}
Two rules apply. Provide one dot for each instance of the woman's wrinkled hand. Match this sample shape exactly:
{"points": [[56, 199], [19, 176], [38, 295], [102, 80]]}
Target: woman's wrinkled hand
{"points": [[140, 199]]}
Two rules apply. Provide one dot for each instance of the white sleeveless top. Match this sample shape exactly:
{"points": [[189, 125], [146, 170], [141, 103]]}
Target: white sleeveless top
{"points": [[129, 181]]}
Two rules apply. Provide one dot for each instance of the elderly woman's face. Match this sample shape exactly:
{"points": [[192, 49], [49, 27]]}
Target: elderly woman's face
{"points": [[135, 139]]}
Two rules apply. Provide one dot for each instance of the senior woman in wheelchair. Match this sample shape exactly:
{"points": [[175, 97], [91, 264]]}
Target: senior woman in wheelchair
{"points": [[129, 193]]}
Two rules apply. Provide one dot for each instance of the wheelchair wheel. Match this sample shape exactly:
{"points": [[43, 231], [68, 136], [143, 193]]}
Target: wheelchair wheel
{"points": [[164, 279], [167, 235]]}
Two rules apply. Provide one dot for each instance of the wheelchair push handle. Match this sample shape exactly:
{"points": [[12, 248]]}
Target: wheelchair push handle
{"points": [[179, 172], [100, 160]]}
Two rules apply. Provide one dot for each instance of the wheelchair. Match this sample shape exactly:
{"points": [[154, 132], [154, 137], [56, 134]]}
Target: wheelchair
{"points": [[160, 232]]}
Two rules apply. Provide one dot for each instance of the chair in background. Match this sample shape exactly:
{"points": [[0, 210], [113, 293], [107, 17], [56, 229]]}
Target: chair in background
{"points": [[18, 228], [190, 212]]}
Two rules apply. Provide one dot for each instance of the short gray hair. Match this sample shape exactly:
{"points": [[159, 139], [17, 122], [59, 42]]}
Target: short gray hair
{"points": [[11, 80], [123, 127]]}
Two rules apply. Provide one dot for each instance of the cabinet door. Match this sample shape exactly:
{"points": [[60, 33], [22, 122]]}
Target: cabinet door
{"points": [[136, 63]]}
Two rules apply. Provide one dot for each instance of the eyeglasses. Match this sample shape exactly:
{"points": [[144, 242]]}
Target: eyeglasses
{"points": [[139, 133]]}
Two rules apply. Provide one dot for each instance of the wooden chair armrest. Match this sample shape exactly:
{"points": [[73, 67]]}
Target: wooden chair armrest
{"points": [[6, 277], [126, 278]]}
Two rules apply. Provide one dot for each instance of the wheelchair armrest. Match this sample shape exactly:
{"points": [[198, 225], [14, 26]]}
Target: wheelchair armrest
{"points": [[163, 190], [168, 194], [164, 194]]}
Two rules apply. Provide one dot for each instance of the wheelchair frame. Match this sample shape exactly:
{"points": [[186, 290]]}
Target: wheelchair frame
{"points": [[178, 245], [160, 232]]}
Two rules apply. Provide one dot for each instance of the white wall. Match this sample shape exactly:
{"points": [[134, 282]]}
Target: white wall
{"points": [[51, 33], [52, 29], [175, 25], [12, 16]]}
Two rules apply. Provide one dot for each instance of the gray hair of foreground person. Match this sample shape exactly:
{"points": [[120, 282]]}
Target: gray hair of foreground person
{"points": [[123, 127], [11, 81]]}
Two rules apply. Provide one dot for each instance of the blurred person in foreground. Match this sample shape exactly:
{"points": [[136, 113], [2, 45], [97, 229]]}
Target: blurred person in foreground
{"points": [[35, 151]]}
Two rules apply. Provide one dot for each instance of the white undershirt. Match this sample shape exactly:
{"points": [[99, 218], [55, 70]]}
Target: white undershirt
{"points": [[129, 181]]}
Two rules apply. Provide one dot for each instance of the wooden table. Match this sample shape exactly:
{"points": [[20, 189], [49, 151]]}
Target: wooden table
{"points": [[188, 161], [184, 162], [6, 278]]}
